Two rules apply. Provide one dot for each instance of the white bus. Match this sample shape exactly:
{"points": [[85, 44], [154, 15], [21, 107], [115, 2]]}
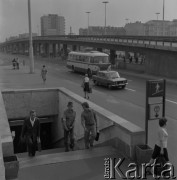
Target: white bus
{"points": [[88, 62]]}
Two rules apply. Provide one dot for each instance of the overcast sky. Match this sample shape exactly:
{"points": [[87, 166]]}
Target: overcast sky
{"points": [[14, 13]]}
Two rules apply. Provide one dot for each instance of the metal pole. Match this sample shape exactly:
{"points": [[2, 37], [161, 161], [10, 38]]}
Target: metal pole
{"points": [[147, 115], [30, 40], [157, 24], [105, 2], [88, 22], [163, 16]]}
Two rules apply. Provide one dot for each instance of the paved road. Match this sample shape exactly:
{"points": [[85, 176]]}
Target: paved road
{"points": [[128, 103]]}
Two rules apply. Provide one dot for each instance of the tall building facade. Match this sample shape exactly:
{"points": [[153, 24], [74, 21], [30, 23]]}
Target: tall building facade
{"points": [[152, 28], [136, 29], [52, 24], [158, 28]]}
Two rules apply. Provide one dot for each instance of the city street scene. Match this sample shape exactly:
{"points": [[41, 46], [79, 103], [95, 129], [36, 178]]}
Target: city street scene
{"points": [[88, 89]]}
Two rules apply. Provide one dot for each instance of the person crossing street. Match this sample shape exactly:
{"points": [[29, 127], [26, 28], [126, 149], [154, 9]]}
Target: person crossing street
{"points": [[44, 73]]}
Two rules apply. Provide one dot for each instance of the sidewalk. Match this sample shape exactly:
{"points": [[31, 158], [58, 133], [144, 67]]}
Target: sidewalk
{"points": [[82, 169]]}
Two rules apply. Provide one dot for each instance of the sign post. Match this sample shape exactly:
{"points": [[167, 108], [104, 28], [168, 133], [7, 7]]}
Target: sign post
{"points": [[155, 101]]}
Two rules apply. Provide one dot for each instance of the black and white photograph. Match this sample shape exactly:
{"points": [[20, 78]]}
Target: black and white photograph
{"points": [[88, 89]]}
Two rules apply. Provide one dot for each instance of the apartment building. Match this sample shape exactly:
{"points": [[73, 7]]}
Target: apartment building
{"points": [[52, 24]]}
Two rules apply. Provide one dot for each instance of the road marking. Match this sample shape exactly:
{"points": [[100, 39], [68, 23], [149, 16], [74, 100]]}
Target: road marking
{"points": [[171, 101], [130, 89]]}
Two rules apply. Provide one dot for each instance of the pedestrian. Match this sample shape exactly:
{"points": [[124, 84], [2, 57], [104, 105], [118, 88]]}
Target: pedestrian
{"points": [[89, 123], [31, 133], [17, 63], [14, 63], [68, 121], [161, 144], [86, 86], [43, 73]]}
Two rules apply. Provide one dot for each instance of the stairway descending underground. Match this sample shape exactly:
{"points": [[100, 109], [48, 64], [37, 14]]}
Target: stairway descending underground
{"points": [[58, 155]]}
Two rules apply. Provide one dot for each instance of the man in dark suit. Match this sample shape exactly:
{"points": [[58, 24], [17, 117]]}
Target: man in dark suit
{"points": [[31, 132]]}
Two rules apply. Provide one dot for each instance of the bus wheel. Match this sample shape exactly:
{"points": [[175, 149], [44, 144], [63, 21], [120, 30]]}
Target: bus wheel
{"points": [[73, 70]]}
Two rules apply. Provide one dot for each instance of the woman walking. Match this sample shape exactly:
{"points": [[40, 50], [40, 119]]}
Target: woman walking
{"points": [[44, 73], [160, 147], [86, 86]]}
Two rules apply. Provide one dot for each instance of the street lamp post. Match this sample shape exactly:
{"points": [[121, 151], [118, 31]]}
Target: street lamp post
{"points": [[157, 23], [105, 2], [157, 15], [30, 40], [163, 17], [88, 23]]}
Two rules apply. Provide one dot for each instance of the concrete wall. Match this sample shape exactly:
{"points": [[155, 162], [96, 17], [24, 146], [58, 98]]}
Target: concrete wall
{"points": [[18, 103], [161, 63], [5, 134], [2, 169], [132, 67], [115, 130]]}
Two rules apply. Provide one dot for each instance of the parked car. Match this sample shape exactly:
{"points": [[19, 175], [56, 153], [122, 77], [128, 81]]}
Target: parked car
{"points": [[109, 79]]}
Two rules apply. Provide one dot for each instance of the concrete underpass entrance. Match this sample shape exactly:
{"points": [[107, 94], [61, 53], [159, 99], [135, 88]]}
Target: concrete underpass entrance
{"points": [[45, 134]]}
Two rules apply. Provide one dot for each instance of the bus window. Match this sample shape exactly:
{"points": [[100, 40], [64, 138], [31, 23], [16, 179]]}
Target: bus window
{"points": [[86, 59], [101, 59], [91, 60]]}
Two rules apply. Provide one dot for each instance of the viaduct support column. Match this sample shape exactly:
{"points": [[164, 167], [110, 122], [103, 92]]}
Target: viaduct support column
{"points": [[74, 47], [54, 50], [39, 49], [58, 50], [23, 48], [127, 55], [65, 51], [35, 49], [46, 49], [112, 56]]}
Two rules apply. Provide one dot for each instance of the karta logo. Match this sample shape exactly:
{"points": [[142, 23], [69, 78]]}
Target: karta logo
{"points": [[135, 171]]}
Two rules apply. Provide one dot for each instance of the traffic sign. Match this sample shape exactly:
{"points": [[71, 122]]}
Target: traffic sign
{"points": [[156, 88], [156, 111]]}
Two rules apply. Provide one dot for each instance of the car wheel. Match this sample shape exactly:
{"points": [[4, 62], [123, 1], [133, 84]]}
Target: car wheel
{"points": [[123, 87], [109, 86]]}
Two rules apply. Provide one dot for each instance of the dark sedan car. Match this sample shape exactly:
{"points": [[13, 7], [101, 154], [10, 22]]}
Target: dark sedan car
{"points": [[109, 79]]}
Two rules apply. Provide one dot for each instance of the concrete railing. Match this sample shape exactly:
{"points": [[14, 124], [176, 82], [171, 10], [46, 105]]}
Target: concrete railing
{"points": [[114, 130], [6, 137], [18, 103], [2, 169]]}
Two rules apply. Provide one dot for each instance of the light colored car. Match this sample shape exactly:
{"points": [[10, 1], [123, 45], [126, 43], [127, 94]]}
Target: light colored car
{"points": [[109, 79]]}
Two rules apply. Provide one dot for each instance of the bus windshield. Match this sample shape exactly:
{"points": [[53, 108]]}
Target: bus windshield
{"points": [[101, 59]]}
